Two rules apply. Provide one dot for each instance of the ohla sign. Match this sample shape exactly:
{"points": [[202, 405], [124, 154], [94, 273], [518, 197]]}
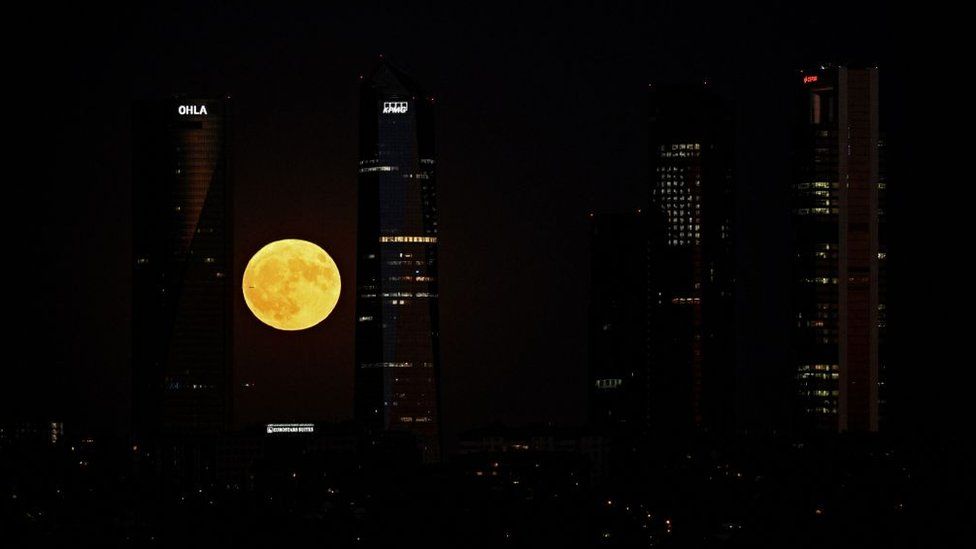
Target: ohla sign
{"points": [[394, 107], [197, 110]]}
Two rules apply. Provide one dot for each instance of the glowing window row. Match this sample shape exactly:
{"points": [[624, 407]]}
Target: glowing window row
{"points": [[410, 239], [808, 375], [386, 365], [818, 367], [611, 383], [681, 147], [817, 185], [419, 278]]}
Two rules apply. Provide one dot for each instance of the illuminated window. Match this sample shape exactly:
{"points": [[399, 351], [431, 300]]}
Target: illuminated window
{"points": [[410, 239]]}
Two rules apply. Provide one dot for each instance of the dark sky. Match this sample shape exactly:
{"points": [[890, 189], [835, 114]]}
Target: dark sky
{"points": [[541, 119]]}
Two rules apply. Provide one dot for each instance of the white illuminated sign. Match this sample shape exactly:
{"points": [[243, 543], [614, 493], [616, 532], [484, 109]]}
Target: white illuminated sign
{"points": [[273, 428], [394, 107], [197, 110]]}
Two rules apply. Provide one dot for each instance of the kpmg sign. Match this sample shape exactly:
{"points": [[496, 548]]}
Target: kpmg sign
{"points": [[276, 428], [196, 110], [394, 107]]}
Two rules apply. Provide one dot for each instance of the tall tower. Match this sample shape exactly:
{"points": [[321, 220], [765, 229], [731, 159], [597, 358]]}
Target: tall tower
{"points": [[624, 250], [691, 160], [182, 268], [397, 351], [618, 328], [838, 260]]}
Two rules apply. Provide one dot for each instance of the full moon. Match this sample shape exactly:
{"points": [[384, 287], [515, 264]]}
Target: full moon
{"points": [[291, 284]]}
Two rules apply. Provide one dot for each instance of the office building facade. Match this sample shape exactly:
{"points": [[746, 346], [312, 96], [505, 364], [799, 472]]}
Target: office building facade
{"points": [[182, 319], [619, 322], [691, 167], [839, 256], [397, 332]]}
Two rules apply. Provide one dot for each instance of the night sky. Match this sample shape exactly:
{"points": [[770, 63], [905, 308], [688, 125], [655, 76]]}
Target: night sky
{"points": [[541, 119]]}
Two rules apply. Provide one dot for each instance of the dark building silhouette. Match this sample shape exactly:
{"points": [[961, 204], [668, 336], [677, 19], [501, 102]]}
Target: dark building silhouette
{"points": [[622, 299], [397, 355], [31, 433], [691, 161], [182, 269], [839, 256], [518, 454]]}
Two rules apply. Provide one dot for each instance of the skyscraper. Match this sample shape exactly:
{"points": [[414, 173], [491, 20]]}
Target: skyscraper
{"points": [[182, 268], [630, 393], [397, 354], [619, 321], [837, 192], [691, 158]]}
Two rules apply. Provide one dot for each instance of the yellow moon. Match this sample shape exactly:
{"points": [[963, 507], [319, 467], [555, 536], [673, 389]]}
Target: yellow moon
{"points": [[291, 284]]}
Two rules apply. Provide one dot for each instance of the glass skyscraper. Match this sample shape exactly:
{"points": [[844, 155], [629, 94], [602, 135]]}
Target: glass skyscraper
{"points": [[397, 355], [622, 330], [839, 261], [182, 268], [691, 162]]}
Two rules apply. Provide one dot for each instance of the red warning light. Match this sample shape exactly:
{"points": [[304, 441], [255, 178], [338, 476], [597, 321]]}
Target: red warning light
{"points": [[809, 79]]}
